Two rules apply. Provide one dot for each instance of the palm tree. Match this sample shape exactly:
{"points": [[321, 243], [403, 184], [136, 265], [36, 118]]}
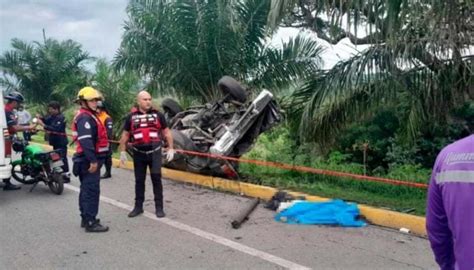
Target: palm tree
{"points": [[44, 71], [118, 90], [419, 60], [187, 46]]}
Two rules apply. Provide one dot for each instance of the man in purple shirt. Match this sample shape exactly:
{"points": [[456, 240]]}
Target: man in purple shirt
{"points": [[450, 212]]}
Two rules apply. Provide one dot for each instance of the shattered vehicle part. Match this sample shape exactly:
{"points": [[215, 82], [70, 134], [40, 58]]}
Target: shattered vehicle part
{"points": [[228, 126], [245, 213]]}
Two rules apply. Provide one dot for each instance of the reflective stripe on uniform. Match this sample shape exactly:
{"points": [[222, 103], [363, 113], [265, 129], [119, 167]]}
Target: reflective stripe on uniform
{"points": [[84, 137], [455, 177], [103, 149]]}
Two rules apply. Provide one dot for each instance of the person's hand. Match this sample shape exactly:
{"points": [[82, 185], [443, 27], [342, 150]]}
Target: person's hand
{"points": [[93, 167], [123, 158], [170, 154], [32, 127], [38, 121]]}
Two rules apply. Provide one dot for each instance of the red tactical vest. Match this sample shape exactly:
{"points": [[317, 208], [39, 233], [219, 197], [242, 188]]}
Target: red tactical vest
{"points": [[102, 144], [145, 128]]}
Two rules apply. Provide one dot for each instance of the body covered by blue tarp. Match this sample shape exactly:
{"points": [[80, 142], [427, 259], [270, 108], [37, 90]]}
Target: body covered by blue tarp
{"points": [[335, 212]]}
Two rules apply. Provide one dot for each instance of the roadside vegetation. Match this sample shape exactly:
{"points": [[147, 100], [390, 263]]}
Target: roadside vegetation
{"points": [[386, 111]]}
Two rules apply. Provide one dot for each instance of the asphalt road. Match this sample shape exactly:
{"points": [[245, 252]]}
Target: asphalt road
{"points": [[40, 230]]}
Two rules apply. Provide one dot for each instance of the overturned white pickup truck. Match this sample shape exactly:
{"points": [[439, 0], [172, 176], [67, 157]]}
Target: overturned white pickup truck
{"points": [[225, 127]]}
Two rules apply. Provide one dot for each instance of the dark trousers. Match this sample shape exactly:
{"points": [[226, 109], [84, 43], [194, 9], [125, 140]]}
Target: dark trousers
{"points": [[108, 164], [89, 193], [140, 162], [63, 152]]}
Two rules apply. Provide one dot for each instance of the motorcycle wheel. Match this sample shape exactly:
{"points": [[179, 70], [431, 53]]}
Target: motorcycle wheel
{"points": [[56, 183], [20, 177]]}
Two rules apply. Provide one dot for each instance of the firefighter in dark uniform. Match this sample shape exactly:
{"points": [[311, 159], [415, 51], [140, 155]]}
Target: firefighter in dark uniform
{"points": [[14, 100], [55, 124], [145, 128], [92, 146], [105, 118]]}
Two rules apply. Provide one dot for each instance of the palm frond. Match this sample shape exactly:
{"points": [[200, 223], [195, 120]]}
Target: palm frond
{"points": [[351, 90], [187, 46], [281, 67]]}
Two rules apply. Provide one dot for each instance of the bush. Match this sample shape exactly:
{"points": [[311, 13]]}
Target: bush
{"points": [[277, 146]]}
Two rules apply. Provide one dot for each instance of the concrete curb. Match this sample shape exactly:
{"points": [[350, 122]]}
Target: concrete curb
{"points": [[376, 216]]}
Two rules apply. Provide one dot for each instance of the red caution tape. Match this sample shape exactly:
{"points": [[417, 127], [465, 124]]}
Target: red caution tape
{"points": [[292, 167]]}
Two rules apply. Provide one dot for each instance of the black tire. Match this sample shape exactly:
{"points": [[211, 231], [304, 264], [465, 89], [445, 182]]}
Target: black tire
{"points": [[56, 183], [171, 107], [229, 86], [17, 174]]}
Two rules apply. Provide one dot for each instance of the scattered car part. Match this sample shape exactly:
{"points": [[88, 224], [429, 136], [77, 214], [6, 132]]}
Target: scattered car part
{"points": [[245, 213]]}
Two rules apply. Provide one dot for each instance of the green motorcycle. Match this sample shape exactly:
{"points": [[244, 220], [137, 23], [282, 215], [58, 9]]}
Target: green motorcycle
{"points": [[37, 165]]}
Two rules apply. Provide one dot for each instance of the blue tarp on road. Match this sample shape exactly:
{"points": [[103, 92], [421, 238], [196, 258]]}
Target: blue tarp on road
{"points": [[335, 212]]}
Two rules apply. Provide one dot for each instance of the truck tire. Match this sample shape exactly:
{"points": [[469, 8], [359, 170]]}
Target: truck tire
{"points": [[229, 86], [171, 107]]}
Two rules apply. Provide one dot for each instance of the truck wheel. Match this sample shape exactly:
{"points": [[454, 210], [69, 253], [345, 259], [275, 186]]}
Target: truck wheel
{"points": [[229, 86], [171, 107]]}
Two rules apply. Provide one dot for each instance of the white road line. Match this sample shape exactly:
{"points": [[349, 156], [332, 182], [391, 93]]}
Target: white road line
{"points": [[206, 235]]}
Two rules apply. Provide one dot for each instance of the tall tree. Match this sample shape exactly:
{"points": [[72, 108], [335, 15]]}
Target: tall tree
{"points": [[44, 71], [189, 45], [118, 89], [419, 58]]}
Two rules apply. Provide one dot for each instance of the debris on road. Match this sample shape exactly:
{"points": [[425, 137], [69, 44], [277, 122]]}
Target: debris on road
{"points": [[244, 214]]}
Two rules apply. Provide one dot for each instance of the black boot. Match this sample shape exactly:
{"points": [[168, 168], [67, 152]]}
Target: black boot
{"points": [[137, 210], [95, 226], [160, 213], [106, 175], [83, 222], [10, 186]]}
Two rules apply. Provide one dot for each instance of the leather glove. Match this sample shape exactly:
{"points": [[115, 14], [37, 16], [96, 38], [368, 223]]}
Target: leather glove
{"points": [[123, 157], [170, 154]]}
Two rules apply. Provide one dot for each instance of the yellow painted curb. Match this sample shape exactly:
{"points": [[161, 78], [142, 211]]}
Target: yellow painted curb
{"points": [[376, 216]]}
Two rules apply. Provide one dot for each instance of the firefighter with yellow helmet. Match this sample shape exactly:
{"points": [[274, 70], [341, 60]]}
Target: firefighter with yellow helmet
{"points": [[92, 146]]}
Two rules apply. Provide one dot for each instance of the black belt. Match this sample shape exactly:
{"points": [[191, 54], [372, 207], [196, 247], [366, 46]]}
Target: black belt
{"points": [[147, 152]]}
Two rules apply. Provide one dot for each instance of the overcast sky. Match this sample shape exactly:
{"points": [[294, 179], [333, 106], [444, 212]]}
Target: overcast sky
{"points": [[96, 24]]}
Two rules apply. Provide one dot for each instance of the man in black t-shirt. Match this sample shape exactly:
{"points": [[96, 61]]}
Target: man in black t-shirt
{"points": [[144, 131]]}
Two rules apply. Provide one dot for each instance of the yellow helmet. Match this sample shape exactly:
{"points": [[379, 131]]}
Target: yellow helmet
{"points": [[88, 93]]}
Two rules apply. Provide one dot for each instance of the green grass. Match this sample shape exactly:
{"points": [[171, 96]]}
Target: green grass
{"points": [[276, 146], [398, 198]]}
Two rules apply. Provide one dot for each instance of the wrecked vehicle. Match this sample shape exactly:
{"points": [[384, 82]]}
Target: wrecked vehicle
{"points": [[227, 127]]}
